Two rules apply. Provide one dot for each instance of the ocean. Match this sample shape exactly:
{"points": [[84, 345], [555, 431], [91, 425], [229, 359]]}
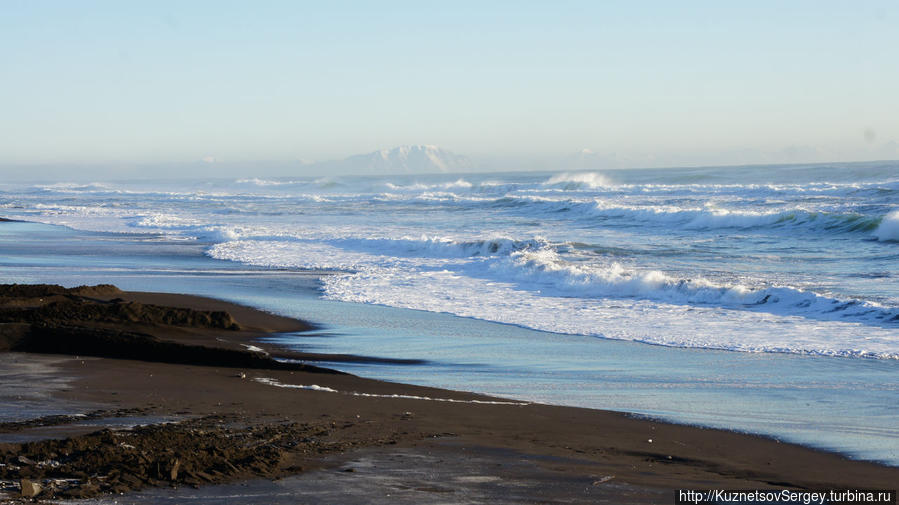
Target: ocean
{"points": [[760, 298]]}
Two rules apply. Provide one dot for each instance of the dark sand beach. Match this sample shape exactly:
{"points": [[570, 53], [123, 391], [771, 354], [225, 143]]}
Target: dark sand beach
{"points": [[197, 364]]}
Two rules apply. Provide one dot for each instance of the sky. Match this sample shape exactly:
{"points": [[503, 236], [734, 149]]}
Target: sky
{"points": [[96, 85]]}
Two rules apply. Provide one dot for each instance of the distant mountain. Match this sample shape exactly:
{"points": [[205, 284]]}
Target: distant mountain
{"points": [[414, 159]]}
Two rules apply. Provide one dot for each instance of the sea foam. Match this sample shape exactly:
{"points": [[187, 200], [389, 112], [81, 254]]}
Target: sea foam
{"points": [[533, 284], [761, 259], [888, 230], [578, 180]]}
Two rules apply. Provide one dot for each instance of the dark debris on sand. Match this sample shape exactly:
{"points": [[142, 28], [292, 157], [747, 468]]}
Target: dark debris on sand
{"points": [[211, 449]]}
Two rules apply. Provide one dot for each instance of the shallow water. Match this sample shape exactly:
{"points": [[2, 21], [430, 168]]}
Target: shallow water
{"points": [[81, 426], [838, 403], [409, 476], [29, 383]]}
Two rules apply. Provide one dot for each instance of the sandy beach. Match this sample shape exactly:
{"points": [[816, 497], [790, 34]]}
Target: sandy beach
{"points": [[237, 414]]}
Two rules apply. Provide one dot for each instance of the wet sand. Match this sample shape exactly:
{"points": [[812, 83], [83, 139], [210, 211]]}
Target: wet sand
{"points": [[235, 424]]}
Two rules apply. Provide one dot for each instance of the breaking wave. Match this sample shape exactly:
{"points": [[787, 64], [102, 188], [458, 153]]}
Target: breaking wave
{"points": [[544, 269], [576, 181], [888, 229], [711, 259], [708, 217]]}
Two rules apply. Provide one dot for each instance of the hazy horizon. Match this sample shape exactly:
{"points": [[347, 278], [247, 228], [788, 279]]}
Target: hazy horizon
{"points": [[108, 88], [78, 173]]}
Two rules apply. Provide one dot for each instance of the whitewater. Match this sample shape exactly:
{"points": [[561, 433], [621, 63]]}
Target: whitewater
{"points": [[785, 259]]}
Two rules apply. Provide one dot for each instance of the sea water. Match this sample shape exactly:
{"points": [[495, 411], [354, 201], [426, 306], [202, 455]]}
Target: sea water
{"points": [[768, 294]]}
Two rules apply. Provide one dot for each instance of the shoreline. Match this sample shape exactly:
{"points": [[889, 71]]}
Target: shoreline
{"points": [[357, 412]]}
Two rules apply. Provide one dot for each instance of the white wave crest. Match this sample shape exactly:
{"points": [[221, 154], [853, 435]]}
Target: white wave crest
{"points": [[263, 182], [165, 221], [708, 217], [546, 270], [437, 247], [76, 187], [578, 180], [888, 230], [457, 184]]}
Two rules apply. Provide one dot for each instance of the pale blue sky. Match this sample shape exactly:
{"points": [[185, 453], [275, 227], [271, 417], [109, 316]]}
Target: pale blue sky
{"points": [[640, 83]]}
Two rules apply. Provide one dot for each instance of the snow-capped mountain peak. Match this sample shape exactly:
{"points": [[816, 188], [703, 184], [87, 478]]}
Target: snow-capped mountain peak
{"points": [[410, 159]]}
